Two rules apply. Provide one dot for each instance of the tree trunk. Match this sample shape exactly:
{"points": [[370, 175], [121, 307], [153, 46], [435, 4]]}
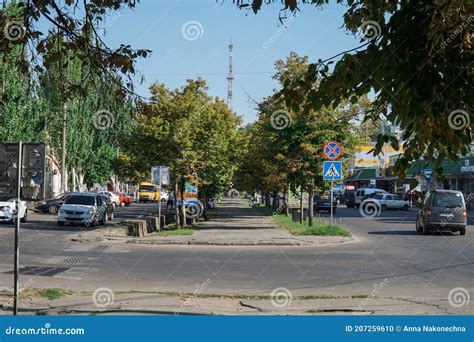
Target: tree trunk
{"points": [[285, 196], [301, 206], [176, 207], [310, 207], [80, 180], [74, 183], [275, 199], [183, 205]]}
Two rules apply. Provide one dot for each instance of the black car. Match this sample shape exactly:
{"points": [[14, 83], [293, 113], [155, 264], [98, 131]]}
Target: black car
{"points": [[323, 204], [51, 205]]}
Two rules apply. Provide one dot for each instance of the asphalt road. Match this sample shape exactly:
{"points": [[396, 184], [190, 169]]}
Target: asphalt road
{"points": [[387, 250]]}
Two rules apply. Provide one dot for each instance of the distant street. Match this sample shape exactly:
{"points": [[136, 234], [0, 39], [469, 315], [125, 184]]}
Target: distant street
{"points": [[414, 267]]}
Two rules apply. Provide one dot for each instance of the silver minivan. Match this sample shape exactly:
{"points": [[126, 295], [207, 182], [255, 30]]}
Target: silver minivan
{"points": [[442, 210]]}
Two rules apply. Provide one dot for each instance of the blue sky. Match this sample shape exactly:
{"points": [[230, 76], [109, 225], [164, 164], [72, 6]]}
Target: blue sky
{"points": [[158, 26]]}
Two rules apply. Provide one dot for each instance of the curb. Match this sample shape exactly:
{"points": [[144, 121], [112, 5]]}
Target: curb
{"points": [[211, 243]]}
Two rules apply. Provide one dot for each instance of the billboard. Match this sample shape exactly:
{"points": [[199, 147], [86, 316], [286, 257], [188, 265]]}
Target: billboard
{"points": [[33, 171]]}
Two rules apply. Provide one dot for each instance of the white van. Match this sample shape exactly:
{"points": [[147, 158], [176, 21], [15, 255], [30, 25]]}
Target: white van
{"points": [[360, 193]]}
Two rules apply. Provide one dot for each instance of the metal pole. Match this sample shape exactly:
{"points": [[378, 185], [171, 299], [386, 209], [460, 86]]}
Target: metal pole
{"points": [[16, 259], [63, 159], [159, 203], [332, 199]]}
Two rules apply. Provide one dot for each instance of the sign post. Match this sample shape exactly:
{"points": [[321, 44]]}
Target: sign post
{"points": [[160, 175], [332, 170], [16, 258]]}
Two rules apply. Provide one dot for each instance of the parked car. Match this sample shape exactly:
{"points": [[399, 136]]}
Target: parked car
{"points": [[390, 201], [442, 210], [8, 210], [113, 197], [364, 193], [125, 200], [109, 207], [83, 208], [324, 204], [51, 205]]}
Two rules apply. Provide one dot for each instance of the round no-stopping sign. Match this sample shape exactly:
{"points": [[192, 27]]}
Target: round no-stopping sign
{"points": [[332, 150]]}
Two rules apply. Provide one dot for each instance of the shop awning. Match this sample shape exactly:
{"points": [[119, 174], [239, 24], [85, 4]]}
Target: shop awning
{"points": [[362, 174], [449, 167]]}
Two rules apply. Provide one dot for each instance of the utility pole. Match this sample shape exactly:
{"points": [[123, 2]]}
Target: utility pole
{"points": [[63, 159], [230, 76]]}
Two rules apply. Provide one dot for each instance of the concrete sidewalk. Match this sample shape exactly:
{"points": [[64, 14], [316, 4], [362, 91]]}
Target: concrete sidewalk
{"points": [[106, 302], [233, 223]]}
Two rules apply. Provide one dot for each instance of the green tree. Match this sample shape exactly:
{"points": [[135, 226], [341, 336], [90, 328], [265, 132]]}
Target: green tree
{"points": [[416, 57], [187, 130]]}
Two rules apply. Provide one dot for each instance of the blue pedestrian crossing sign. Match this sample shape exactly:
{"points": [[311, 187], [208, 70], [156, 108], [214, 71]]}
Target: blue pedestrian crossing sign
{"points": [[332, 170]]}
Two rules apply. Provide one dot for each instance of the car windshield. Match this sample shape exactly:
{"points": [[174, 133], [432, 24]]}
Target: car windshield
{"points": [[378, 197], [81, 200], [148, 188], [447, 199]]}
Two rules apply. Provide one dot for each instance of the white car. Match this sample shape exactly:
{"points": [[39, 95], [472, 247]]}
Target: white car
{"points": [[390, 201], [114, 198], [364, 192], [86, 208], [8, 210]]}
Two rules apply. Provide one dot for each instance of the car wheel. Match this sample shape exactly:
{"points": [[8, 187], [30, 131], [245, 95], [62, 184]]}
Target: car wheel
{"points": [[53, 209], [417, 225], [24, 219], [383, 207], [60, 223], [122, 204], [462, 231], [405, 207]]}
